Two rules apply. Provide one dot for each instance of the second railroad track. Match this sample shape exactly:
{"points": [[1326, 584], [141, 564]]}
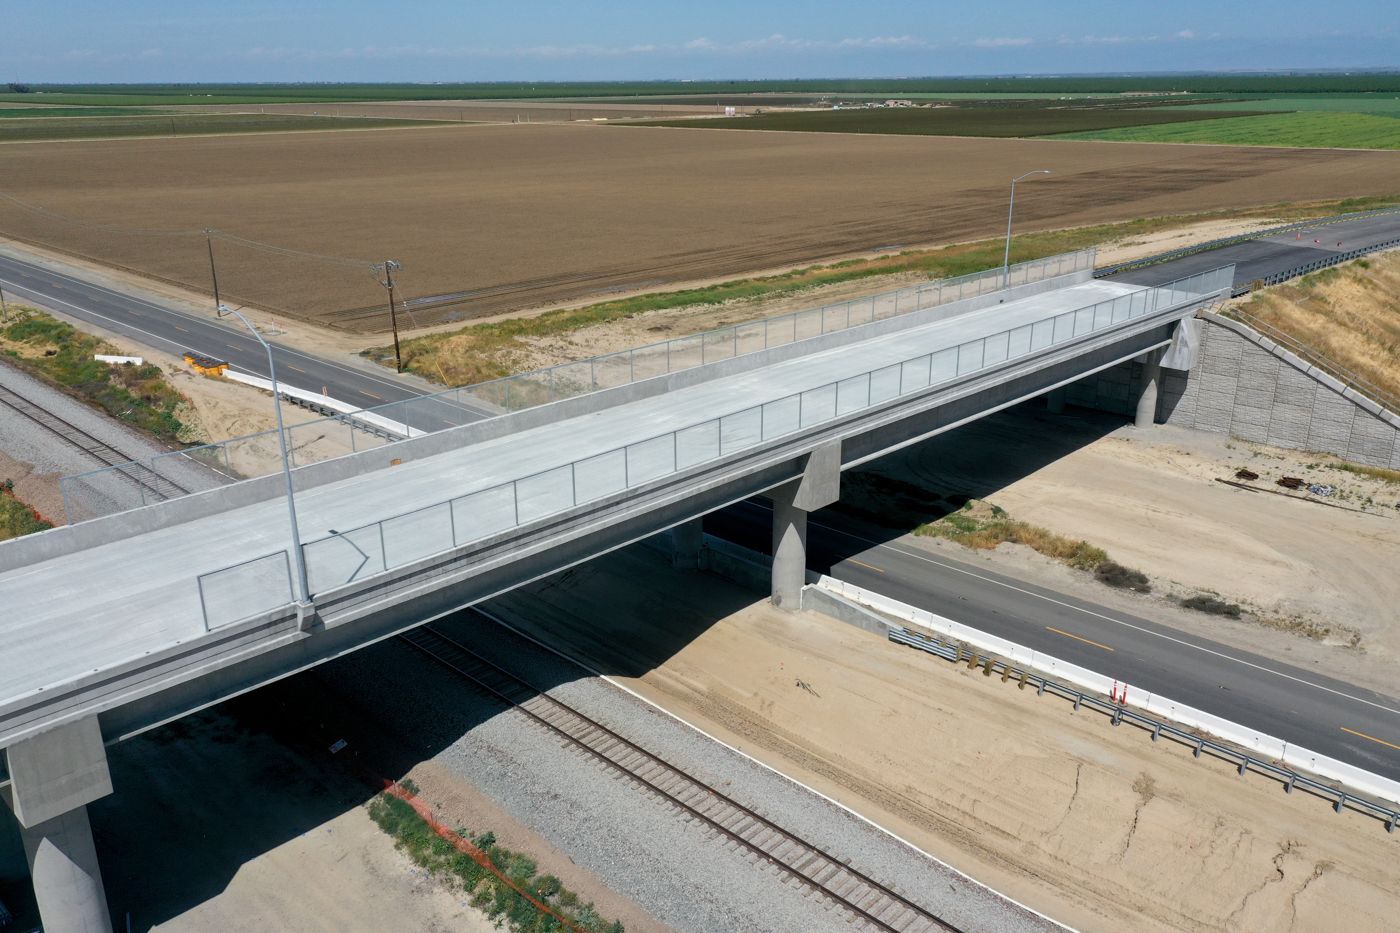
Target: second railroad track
{"points": [[868, 904]]}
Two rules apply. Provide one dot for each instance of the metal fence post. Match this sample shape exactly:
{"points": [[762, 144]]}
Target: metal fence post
{"points": [[63, 486]]}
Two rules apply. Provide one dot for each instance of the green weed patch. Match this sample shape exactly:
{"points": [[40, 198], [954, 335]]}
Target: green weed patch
{"points": [[488, 892], [16, 518], [63, 355]]}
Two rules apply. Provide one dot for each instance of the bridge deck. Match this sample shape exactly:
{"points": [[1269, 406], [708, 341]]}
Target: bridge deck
{"points": [[98, 607]]}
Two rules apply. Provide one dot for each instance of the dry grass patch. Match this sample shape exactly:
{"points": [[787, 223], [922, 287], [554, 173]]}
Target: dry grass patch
{"points": [[1348, 313], [984, 527]]}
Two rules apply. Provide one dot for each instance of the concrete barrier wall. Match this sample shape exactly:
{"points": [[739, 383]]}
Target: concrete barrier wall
{"points": [[1257, 742], [1248, 386]]}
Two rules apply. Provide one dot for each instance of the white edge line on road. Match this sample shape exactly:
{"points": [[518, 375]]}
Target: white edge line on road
{"points": [[281, 348], [811, 790], [1100, 615]]}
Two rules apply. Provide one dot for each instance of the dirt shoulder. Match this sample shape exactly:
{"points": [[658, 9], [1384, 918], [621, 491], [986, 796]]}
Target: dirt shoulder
{"points": [[1097, 827]]}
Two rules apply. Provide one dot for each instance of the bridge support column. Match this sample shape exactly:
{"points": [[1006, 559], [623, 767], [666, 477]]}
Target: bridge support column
{"points": [[67, 881], [1147, 401], [1055, 399], [820, 485], [686, 541], [53, 777]]}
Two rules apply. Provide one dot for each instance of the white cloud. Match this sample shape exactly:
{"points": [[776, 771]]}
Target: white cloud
{"points": [[1186, 34], [1000, 43]]}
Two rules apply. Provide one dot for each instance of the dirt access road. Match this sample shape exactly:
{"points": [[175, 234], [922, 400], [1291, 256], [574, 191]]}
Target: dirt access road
{"points": [[512, 217]]}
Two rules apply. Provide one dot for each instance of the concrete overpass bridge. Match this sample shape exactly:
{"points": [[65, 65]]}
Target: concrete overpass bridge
{"points": [[119, 624]]}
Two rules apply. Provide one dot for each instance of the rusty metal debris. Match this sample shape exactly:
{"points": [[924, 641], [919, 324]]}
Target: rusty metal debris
{"points": [[1291, 482], [1246, 474]]}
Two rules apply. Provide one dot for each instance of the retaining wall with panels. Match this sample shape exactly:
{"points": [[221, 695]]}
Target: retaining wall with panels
{"points": [[1247, 386]]}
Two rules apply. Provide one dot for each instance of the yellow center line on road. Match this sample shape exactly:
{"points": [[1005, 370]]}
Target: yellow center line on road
{"points": [[1077, 638], [866, 566], [1365, 736], [370, 394], [232, 347], [453, 423], [290, 366], [178, 327]]}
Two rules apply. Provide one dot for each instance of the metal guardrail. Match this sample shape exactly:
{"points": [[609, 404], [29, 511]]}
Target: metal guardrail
{"points": [[1240, 238], [582, 377], [1334, 260], [1343, 375], [377, 547], [1119, 713]]}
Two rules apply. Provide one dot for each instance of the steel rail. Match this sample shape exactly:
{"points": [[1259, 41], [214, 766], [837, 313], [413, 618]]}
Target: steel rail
{"points": [[751, 831], [99, 450]]}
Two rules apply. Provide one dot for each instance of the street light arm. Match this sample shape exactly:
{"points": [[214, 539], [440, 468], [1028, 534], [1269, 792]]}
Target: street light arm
{"points": [[303, 586]]}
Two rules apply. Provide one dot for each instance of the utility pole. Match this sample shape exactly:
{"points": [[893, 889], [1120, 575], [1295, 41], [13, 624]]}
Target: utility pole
{"points": [[388, 283], [3, 308], [209, 241]]}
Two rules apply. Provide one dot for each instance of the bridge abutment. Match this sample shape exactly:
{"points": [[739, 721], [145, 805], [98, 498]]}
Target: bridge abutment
{"points": [[1055, 400], [53, 777], [819, 486]]}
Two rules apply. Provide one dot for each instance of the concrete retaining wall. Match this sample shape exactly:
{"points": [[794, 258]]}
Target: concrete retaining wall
{"points": [[1248, 386]]}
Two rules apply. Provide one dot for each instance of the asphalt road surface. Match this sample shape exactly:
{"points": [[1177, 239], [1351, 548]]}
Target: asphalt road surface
{"points": [[1257, 259], [155, 324], [1319, 713]]}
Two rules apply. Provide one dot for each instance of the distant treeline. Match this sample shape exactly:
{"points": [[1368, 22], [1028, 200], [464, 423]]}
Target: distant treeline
{"points": [[155, 94]]}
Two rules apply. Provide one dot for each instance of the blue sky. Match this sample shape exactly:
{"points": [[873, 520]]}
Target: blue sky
{"points": [[354, 40]]}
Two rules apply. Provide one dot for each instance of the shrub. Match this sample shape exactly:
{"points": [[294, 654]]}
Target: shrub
{"points": [[1211, 605], [1123, 578]]}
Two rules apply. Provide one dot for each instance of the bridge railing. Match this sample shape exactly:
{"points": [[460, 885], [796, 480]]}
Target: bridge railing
{"points": [[324, 438], [376, 547]]}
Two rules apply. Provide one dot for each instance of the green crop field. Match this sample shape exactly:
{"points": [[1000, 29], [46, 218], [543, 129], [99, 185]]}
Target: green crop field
{"points": [[183, 124], [1383, 104], [956, 121], [1318, 129]]}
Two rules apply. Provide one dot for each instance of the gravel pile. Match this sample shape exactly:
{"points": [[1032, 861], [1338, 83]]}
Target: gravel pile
{"points": [[681, 874]]}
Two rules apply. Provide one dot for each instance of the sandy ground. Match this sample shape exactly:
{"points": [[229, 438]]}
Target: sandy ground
{"points": [[1097, 827], [1164, 241], [1150, 499], [509, 217], [342, 876]]}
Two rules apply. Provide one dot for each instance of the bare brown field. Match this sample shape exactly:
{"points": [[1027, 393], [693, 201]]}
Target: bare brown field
{"points": [[506, 218]]}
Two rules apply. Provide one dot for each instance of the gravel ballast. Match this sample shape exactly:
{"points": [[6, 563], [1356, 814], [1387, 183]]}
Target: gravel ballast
{"points": [[681, 873]]}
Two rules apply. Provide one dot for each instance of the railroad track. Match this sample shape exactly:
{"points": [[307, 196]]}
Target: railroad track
{"points": [[869, 904], [159, 487]]}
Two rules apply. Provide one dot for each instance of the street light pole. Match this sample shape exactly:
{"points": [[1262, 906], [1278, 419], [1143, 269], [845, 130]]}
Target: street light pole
{"points": [[303, 587], [1006, 260]]}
